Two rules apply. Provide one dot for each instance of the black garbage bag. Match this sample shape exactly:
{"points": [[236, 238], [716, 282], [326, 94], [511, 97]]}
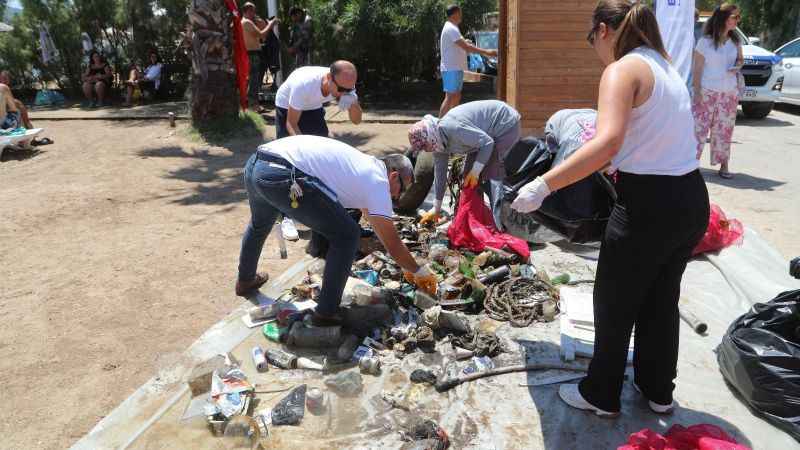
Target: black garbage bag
{"points": [[578, 213], [760, 358], [291, 409]]}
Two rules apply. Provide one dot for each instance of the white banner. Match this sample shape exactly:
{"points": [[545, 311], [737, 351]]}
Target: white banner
{"points": [[676, 21]]}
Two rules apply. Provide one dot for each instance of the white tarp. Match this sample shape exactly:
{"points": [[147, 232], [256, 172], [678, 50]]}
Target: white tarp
{"points": [[493, 413]]}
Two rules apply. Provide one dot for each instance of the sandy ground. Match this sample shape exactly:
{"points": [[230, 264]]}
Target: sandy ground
{"points": [[120, 246]]}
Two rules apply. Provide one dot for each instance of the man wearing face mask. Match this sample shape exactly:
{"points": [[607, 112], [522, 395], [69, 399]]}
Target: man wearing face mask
{"points": [[313, 179], [300, 98]]}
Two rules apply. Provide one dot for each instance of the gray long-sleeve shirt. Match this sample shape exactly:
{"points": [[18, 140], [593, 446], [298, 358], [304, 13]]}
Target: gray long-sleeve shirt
{"points": [[471, 128]]}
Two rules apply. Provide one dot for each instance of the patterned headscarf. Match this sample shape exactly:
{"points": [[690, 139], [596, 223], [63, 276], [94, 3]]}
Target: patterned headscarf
{"points": [[424, 135]]}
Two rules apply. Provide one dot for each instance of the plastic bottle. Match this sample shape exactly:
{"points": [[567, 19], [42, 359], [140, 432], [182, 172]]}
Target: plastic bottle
{"points": [[314, 337]]}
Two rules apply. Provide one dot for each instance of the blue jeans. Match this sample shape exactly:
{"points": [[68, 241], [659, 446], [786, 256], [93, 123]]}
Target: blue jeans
{"points": [[268, 193]]}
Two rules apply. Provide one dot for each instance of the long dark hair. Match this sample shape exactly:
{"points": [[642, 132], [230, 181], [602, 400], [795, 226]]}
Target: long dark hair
{"points": [[91, 57], [715, 26], [634, 23]]}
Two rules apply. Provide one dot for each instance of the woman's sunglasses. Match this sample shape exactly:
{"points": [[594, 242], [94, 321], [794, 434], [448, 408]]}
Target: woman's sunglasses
{"points": [[735, 17], [592, 33]]}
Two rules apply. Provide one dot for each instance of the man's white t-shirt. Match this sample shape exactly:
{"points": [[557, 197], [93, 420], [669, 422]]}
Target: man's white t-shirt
{"points": [[358, 180], [453, 56], [302, 91], [718, 61]]}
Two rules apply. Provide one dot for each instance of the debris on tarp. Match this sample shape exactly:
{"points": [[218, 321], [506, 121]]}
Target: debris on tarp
{"points": [[521, 301], [347, 384], [383, 320], [426, 434], [290, 410]]}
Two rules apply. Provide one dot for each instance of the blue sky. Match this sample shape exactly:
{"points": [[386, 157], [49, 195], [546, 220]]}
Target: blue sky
{"points": [[14, 3]]}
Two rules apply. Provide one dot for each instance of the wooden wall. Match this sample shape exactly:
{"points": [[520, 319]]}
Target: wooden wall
{"points": [[549, 65]]}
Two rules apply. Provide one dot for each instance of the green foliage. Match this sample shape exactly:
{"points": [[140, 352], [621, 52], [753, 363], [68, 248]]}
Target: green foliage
{"points": [[774, 21], [247, 124], [124, 30], [389, 40]]}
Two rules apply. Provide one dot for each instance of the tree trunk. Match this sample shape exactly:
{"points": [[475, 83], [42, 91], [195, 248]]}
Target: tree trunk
{"points": [[214, 90]]}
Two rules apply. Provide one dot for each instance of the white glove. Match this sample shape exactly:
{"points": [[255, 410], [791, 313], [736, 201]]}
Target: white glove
{"points": [[347, 100], [531, 196]]}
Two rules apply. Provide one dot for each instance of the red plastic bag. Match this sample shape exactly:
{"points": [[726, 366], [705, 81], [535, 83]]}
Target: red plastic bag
{"points": [[722, 232], [695, 437], [473, 227]]}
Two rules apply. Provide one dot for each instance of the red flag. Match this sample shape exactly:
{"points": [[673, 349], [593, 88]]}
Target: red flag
{"points": [[240, 59]]}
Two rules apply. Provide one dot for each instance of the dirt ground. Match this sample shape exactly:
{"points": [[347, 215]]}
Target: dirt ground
{"points": [[120, 246]]}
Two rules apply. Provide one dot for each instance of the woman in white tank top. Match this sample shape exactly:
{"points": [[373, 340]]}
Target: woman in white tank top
{"points": [[645, 133]]}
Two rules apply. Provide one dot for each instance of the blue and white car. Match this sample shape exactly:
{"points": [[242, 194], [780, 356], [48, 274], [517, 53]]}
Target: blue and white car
{"points": [[763, 76]]}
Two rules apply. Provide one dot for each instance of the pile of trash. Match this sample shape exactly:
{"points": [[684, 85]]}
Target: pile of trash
{"points": [[385, 319]]}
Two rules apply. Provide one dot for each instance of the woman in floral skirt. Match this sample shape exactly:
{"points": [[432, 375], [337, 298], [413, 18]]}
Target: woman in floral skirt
{"points": [[717, 60]]}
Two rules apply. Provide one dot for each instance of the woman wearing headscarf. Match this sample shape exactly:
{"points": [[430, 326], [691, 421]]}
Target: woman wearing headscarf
{"points": [[484, 130], [645, 134]]}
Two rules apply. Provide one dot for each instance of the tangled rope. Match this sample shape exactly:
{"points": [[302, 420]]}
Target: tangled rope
{"points": [[518, 301]]}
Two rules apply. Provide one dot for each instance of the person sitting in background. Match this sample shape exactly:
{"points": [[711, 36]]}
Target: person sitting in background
{"points": [[96, 79], [5, 78], [148, 81], [9, 115]]}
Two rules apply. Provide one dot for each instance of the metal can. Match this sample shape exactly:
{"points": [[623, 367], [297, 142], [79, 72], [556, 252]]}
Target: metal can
{"points": [[315, 401], [171, 119], [281, 359], [259, 360], [370, 364]]}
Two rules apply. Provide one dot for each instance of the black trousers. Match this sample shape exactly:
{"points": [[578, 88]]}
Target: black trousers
{"points": [[655, 225], [311, 122]]}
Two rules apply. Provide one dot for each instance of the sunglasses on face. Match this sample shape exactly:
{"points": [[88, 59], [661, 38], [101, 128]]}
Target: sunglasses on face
{"points": [[591, 36], [735, 17], [340, 88]]}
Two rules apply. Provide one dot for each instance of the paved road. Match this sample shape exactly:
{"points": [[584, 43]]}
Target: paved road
{"points": [[765, 191]]}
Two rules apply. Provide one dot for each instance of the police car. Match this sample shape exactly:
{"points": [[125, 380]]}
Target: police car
{"points": [[763, 75]]}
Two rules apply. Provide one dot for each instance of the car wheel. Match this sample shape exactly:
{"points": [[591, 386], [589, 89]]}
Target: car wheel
{"points": [[757, 110], [413, 197]]}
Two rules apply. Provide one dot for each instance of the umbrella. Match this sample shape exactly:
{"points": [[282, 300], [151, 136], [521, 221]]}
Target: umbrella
{"points": [[5, 27]]}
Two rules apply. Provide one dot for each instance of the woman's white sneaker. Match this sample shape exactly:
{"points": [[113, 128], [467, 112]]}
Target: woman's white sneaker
{"points": [[572, 396], [656, 407]]}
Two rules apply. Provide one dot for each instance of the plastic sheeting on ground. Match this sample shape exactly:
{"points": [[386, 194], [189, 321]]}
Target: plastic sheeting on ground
{"points": [[498, 412]]}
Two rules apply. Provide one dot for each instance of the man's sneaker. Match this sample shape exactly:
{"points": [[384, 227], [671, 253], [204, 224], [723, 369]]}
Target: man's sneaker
{"points": [[289, 230], [657, 407], [572, 396]]}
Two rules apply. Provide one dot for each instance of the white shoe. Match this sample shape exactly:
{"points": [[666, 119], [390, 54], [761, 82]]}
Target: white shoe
{"points": [[288, 229], [571, 396], [656, 407]]}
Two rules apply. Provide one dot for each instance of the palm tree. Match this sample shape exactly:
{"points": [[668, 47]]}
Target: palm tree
{"points": [[210, 38]]}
